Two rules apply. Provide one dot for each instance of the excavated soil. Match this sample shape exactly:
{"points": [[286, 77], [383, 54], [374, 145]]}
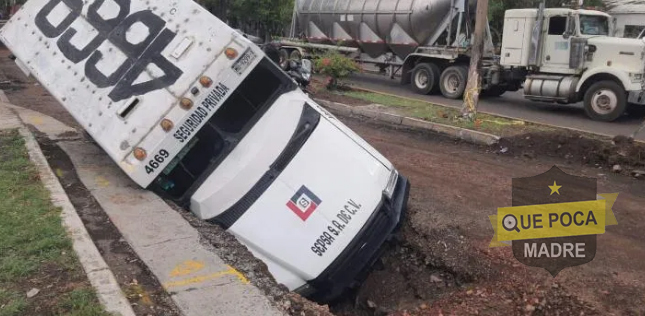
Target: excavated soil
{"points": [[577, 148], [442, 264]]}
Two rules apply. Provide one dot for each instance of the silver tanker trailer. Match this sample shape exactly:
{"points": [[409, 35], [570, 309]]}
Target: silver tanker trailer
{"points": [[557, 55]]}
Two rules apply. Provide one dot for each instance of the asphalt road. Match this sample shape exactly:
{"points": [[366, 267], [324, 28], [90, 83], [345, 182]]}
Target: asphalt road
{"points": [[513, 104]]}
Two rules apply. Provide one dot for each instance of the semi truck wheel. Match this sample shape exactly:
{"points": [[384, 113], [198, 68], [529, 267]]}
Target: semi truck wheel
{"points": [[284, 59], [637, 110], [605, 101], [453, 82], [493, 92], [425, 78]]}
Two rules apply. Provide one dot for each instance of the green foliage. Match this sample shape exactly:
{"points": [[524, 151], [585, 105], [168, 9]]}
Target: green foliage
{"points": [[34, 242], [217, 7], [269, 17], [446, 115], [80, 302], [31, 228], [336, 66], [13, 303]]}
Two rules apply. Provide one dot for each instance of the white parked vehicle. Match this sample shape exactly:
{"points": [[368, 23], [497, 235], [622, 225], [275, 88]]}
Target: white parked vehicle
{"points": [[192, 110], [557, 55]]}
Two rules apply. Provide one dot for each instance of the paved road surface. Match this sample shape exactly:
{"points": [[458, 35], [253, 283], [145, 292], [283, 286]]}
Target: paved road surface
{"points": [[512, 104]]}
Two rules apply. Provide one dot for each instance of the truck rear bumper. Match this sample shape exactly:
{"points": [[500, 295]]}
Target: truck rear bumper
{"points": [[355, 261]]}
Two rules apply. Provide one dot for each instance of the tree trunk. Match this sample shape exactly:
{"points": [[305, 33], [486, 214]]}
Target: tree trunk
{"points": [[473, 88]]}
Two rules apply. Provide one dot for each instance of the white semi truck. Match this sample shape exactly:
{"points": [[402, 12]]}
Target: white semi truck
{"points": [[191, 109], [556, 55]]}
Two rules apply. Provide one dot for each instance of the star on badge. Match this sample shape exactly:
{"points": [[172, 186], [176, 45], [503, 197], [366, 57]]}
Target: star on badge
{"points": [[555, 188]]}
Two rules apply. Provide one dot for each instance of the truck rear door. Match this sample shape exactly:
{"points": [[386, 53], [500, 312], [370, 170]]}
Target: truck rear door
{"points": [[121, 66]]}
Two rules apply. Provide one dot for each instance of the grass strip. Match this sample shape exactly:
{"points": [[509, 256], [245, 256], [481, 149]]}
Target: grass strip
{"points": [[487, 123], [35, 252]]}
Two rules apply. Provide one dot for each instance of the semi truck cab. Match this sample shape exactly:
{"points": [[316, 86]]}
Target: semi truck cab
{"points": [[571, 57]]}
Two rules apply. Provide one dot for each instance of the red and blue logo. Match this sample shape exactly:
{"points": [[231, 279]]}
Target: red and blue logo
{"points": [[304, 203]]}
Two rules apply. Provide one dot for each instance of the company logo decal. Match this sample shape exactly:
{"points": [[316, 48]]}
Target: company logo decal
{"points": [[304, 203], [554, 220]]}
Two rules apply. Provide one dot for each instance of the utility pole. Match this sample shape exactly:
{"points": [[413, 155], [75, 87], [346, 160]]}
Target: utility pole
{"points": [[473, 87]]}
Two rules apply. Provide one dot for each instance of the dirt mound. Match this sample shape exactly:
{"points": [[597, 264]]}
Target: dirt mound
{"points": [[621, 153]]}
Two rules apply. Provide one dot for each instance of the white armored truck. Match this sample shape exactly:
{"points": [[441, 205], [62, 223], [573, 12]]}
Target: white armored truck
{"points": [[556, 55], [191, 109]]}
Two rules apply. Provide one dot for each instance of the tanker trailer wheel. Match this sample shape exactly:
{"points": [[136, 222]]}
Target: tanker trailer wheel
{"points": [[605, 101], [453, 82], [425, 78], [284, 59]]}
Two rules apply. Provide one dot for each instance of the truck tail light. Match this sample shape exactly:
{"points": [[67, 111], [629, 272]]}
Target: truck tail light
{"points": [[231, 53], [205, 81], [167, 125], [140, 153], [186, 103]]}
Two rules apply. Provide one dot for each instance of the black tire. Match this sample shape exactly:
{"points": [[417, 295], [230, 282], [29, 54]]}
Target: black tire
{"points": [[605, 101], [493, 92], [425, 78], [273, 53], [636, 110], [453, 82], [284, 59]]}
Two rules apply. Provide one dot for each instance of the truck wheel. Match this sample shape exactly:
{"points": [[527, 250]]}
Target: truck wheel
{"points": [[425, 78], [493, 92], [605, 101], [284, 59], [637, 110], [453, 82]]}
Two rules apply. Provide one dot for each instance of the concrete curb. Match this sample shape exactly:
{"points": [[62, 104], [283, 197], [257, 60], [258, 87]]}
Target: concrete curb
{"points": [[475, 137], [197, 279], [572, 129], [107, 289]]}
